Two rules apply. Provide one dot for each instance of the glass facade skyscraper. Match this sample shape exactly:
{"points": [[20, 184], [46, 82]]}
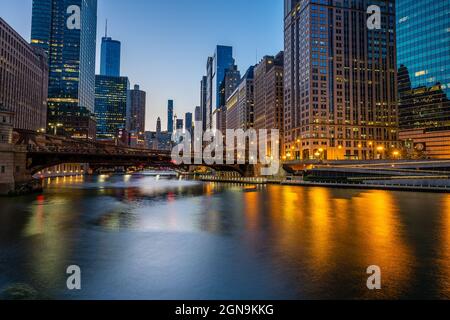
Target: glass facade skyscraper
{"points": [[423, 47], [71, 54], [216, 67], [110, 57], [170, 116], [112, 107]]}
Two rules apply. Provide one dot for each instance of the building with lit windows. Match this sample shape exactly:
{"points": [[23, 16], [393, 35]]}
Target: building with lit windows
{"points": [[240, 105], [110, 56], [137, 109], [203, 104], [423, 50], [71, 59], [216, 68], [269, 94], [340, 90], [23, 80], [111, 106]]}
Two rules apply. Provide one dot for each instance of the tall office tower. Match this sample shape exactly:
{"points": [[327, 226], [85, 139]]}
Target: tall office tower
{"points": [[209, 93], [137, 110], [179, 124], [170, 116], [158, 125], [229, 84], [198, 114], [188, 125], [110, 56], [215, 70], [111, 106], [203, 104], [423, 53], [339, 80], [240, 105], [71, 60], [269, 95], [23, 80]]}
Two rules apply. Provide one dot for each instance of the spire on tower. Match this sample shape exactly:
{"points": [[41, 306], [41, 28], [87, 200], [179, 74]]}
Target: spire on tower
{"points": [[106, 29]]}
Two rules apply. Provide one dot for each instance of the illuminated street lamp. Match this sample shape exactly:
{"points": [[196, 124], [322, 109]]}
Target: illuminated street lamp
{"points": [[55, 127], [380, 150]]}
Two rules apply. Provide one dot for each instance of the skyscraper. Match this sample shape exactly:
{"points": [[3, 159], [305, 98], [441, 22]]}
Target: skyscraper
{"points": [[423, 51], [158, 126], [339, 81], [188, 122], [215, 70], [269, 94], [111, 106], [110, 56], [137, 109], [170, 116], [203, 101], [198, 114], [23, 80], [71, 53], [179, 124], [229, 84], [240, 105], [209, 93]]}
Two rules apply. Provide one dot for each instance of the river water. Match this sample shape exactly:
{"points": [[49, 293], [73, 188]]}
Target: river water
{"points": [[136, 237]]}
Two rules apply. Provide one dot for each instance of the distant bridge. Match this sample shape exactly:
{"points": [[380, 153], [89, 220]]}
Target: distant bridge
{"points": [[34, 152]]}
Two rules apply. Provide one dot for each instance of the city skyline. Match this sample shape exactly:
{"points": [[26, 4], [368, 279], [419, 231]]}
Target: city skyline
{"points": [[179, 57]]}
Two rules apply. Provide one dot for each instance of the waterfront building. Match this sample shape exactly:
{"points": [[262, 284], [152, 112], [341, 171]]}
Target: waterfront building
{"points": [[137, 110], [170, 126], [7, 167], [111, 106], [423, 51], [23, 80], [340, 90], [71, 58], [240, 105], [110, 56], [269, 94]]}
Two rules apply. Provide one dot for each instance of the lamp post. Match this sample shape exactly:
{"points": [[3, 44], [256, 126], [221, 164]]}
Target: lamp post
{"points": [[380, 150]]}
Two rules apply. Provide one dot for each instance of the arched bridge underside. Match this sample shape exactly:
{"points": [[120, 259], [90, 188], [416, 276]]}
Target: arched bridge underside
{"points": [[43, 151]]}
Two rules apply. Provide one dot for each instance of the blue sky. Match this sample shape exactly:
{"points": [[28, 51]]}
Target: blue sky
{"points": [[165, 43]]}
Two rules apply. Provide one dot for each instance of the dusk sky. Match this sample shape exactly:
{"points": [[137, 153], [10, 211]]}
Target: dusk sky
{"points": [[165, 44]]}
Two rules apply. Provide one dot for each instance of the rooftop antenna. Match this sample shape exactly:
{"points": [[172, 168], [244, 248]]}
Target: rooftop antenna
{"points": [[106, 29]]}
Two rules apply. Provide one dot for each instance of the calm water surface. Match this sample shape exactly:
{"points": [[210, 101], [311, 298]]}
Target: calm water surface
{"points": [[139, 238]]}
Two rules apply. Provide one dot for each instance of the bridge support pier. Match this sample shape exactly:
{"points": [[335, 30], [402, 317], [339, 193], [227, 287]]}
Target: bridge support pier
{"points": [[15, 178]]}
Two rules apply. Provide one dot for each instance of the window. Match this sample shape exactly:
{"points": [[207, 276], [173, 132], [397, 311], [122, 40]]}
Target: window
{"points": [[2, 169]]}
